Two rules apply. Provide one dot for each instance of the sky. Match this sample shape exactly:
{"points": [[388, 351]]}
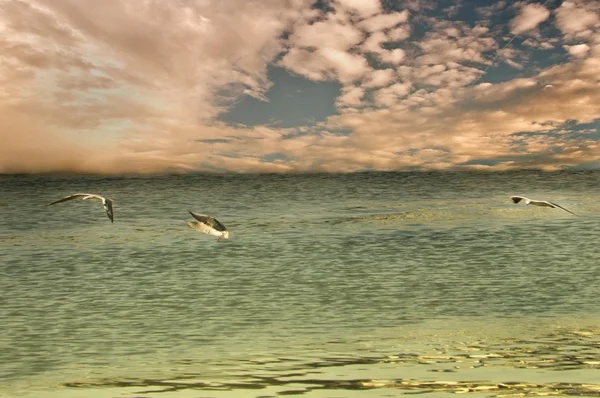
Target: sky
{"points": [[261, 86]]}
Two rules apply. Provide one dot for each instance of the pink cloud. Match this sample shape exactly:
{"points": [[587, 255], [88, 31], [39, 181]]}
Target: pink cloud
{"points": [[364, 8], [455, 42], [96, 81], [351, 96], [375, 42], [489, 130], [131, 86], [379, 78], [489, 11], [394, 57], [329, 33], [326, 63], [384, 21], [543, 45], [390, 95], [577, 18], [579, 50], [530, 16]]}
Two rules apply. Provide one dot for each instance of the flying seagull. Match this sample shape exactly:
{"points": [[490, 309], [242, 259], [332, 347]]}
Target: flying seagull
{"points": [[208, 225], [541, 203], [107, 203]]}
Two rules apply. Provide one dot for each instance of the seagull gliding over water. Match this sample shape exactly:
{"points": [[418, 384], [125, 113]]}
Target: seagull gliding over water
{"points": [[208, 225], [107, 203], [541, 203]]}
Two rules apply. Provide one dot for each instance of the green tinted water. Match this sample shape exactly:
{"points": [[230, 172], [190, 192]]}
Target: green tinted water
{"points": [[327, 283]]}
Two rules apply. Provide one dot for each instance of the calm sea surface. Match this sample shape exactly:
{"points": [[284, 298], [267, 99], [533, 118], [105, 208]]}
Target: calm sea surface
{"points": [[357, 285]]}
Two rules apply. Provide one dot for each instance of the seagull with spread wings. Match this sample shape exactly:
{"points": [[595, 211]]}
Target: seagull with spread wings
{"points": [[107, 203], [208, 225], [540, 203]]}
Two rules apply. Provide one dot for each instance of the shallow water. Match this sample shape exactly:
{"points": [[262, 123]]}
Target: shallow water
{"points": [[372, 284]]}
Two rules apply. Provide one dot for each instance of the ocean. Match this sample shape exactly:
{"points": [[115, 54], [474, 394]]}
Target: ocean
{"points": [[331, 285]]}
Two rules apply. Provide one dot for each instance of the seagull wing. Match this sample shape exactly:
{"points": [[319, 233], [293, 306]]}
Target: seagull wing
{"points": [[209, 220], [517, 199], [70, 197], [109, 210], [560, 207]]}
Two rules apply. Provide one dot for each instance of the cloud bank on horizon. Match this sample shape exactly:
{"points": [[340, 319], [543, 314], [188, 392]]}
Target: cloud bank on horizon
{"points": [[128, 86]]}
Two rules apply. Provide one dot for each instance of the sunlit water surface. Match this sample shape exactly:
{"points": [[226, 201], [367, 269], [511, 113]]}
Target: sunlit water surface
{"points": [[372, 284]]}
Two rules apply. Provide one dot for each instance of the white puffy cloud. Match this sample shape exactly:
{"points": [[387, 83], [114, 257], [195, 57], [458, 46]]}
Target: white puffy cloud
{"points": [[365, 8], [384, 21], [578, 18], [329, 33], [530, 16], [379, 78], [105, 93], [390, 95], [395, 56], [100, 82], [351, 96], [578, 50]]}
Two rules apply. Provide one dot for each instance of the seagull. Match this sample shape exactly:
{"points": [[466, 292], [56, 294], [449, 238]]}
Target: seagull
{"points": [[541, 203], [107, 203], [208, 225]]}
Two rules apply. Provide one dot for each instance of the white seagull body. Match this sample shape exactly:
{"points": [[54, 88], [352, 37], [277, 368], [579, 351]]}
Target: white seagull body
{"points": [[540, 203], [107, 203], [208, 225]]}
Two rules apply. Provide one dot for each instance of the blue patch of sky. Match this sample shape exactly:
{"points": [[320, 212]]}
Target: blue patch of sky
{"points": [[341, 131], [571, 129], [532, 59], [595, 125], [275, 157], [595, 165], [323, 5], [414, 151], [211, 167], [317, 131], [499, 74], [482, 162], [292, 101], [467, 11], [296, 134], [231, 155]]}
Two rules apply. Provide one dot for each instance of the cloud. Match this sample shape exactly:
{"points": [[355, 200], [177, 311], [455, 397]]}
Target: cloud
{"points": [[514, 120], [578, 18], [336, 46], [542, 45], [384, 21], [489, 11], [394, 57], [351, 96], [510, 55], [96, 78], [329, 33], [453, 42], [379, 78], [364, 8], [320, 50], [530, 16], [326, 64], [579, 50], [389, 95], [139, 86]]}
